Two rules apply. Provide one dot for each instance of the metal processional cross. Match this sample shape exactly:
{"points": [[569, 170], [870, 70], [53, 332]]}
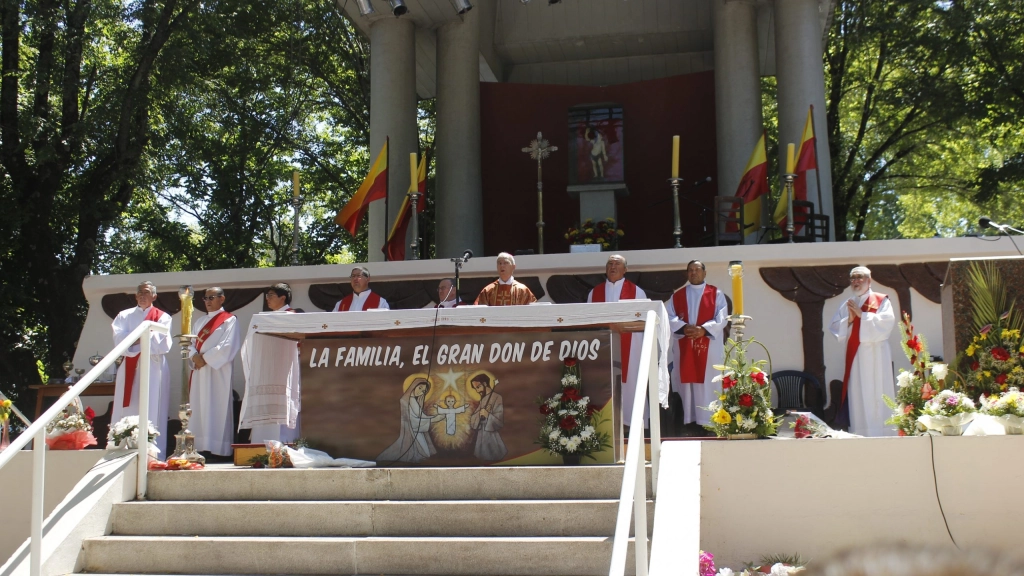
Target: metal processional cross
{"points": [[540, 150]]}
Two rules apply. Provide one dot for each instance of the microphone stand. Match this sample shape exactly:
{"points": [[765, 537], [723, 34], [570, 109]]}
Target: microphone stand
{"points": [[458, 261]]}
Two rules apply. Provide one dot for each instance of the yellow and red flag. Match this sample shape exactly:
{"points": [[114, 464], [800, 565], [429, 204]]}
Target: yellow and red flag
{"points": [[753, 185], [394, 248], [806, 159], [374, 187]]}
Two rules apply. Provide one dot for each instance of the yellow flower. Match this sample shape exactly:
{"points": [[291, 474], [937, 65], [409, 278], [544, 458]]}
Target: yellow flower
{"points": [[7, 403], [620, 233], [588, 241], [1021, 350], [566, 236], [987, 374], [589, 230], [612, 220], [971, 350], [721, 417], [606, 245], [722, 397], [739, 419]]}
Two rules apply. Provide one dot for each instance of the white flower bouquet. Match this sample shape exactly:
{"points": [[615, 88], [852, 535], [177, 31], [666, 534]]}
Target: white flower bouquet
{"points": [[1007, 409], [125, 435], [948, 412]]}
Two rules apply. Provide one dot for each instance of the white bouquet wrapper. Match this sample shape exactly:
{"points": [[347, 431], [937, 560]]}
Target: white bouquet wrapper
{"points": [[309, 458], [1012, 424], [948, 425], [985, 425]]}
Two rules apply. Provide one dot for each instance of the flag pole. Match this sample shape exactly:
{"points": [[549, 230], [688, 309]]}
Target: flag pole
{"points": [[817, 164], [387, 192]]}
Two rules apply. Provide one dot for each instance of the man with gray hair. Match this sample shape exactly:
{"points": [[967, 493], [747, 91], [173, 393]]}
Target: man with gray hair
{"points": [[505, 291], [126, 388], [864, 322], [361, 298]]}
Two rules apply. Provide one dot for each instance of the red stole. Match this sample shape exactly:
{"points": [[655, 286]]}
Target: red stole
{"points": [[131, 363], [871, 304], [204, 334], [628, 292], [372, 301], [693, 352]]}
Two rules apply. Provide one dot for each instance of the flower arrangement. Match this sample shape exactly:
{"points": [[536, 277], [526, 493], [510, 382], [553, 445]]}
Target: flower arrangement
{"points": [[916, 387], [603, 232], [949, 403], [992, 361], [569, 421], [707, 564], [72, 430], [5, 410], [125, 434], [1007, 408], [745, 404]]}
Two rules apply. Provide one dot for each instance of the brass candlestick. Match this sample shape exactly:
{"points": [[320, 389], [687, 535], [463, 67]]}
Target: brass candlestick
{"points": [[184, 440], [677, 229]]}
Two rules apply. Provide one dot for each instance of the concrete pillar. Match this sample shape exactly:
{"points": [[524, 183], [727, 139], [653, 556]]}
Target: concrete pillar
{"points": [[459, 209], [801, 80], [392, 114], [738, 117]]}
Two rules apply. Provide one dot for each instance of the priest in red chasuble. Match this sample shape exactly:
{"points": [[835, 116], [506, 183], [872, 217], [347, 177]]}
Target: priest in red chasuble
{"points": [[864, 322], [615, 288], [697, 316], [361, 298], [505, 291]]}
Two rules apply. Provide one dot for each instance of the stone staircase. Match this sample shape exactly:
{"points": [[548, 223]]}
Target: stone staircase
{"points": [[458, 521]]}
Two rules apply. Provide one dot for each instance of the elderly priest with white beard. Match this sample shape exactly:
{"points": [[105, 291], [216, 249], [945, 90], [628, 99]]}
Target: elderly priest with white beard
{"points": [[864, 322], [211, 355]]}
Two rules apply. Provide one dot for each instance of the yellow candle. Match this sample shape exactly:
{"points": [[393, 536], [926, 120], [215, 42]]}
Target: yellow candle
{"points": [[790, 158], [675, 156], [413, 173], [736, 273], [295, 183], [186, 312]]}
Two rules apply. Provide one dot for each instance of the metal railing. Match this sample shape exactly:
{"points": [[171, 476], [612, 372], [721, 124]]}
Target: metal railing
{"points": [[634, 478], [36, 432]]}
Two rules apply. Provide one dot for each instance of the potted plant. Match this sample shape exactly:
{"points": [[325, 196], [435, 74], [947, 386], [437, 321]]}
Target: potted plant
{"points": [[569, 421]]}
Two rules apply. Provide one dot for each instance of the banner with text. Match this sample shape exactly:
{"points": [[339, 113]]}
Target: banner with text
{"points": [[453, 400]]}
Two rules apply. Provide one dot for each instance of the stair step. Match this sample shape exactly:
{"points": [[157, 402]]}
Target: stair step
{"points": [[370, 518], [457, 556], [483, 483]]}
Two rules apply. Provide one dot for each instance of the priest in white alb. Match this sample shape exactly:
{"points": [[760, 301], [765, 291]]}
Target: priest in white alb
{"points": [[697, 316], [616, 287], [864, 322], [126, 389], [271, 409], [211, 356]]}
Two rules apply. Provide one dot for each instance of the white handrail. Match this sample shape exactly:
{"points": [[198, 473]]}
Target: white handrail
{"points": [[36, 432], [634, 481]]}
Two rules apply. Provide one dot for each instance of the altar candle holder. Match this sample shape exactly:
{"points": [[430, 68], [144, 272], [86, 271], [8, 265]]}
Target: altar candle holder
{"points": [[184, 440], [737, 319], [677, 230]]}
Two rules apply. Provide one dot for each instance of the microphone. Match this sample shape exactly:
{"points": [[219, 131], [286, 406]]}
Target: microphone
{"points": [[986, 222], [700, 182], [467, 255]]}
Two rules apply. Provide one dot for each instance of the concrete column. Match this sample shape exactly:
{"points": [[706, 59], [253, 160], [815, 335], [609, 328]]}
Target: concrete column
{"points": [[738, 117], [801, 80], [392, 114], [459, 208]]}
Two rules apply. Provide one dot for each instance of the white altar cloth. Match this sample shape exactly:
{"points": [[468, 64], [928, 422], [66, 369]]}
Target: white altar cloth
{"points": [[269, 342]]}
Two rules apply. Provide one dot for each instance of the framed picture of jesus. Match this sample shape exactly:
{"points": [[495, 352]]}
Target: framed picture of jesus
{"points": [[595, 144]]}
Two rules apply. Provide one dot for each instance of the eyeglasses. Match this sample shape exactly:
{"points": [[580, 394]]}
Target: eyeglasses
{"points": [[272, 295], [354, 276], [211, 298]]}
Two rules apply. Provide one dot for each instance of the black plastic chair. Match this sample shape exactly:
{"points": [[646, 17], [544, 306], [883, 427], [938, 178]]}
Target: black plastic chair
{"points": [[791, 386]]}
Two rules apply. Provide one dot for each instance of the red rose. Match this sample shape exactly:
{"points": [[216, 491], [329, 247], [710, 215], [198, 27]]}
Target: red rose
{"points": [[570, 393], [90, 414], [901, 432], [1001, 379], [545, 409], [746, 400], [759, 378], [915, 344], [975, 366], [570, 362], [1000, 354], [592, 409], [567, 423], [727, 383]]}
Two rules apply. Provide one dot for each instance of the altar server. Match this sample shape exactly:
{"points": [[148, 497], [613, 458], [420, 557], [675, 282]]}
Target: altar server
{"points": [[505, 291], [697, 316], [615, 288], [362, 298], [864, 322], [272, 412], [126, 390], [211, 356]]}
